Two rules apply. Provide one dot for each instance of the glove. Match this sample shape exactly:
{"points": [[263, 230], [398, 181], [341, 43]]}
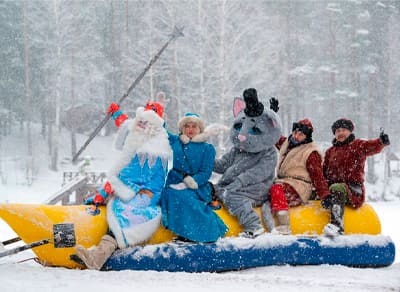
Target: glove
{"points": [[384, 138], [190, 182], [108, 188], [113, 108], [116, 114], [98, 199], [274, 104]]}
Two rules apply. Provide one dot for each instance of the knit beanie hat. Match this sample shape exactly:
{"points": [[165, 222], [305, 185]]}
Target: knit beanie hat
{"points": [[191, 118], [305, 126], [342, 123]]}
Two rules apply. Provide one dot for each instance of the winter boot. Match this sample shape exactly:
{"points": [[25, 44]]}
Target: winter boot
{"points": [[335, 227], [283, 226], [95, 257], [267, 216], [252, 234], [335, 203]]}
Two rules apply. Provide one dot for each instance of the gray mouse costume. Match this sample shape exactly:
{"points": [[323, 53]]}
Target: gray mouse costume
{"points": [[248, 169]]}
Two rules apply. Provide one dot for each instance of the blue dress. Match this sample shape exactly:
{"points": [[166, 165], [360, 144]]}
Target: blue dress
{"points": [[187, 212]]}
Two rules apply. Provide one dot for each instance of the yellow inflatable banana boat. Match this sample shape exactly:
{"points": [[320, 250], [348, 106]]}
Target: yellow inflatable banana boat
{"points": [[37, 222]]}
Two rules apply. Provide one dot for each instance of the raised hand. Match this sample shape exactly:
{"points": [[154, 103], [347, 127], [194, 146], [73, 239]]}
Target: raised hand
{"points": [[274, 104], [384, 138]]}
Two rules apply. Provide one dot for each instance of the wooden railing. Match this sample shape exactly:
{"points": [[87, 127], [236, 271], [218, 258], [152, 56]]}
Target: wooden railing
{"points": [[76, 187]]}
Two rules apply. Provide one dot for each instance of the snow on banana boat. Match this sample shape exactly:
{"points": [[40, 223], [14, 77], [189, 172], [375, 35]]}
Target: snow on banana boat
{"points": [[65, 226]]}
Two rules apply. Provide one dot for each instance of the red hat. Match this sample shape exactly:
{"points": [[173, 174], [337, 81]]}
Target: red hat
{"points": [[156, 107], [307, 123], [305, 126]]}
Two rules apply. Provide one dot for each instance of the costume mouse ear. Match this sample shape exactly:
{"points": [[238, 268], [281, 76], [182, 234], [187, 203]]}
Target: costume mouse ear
{"points": [[254, 108], [238, 106]]}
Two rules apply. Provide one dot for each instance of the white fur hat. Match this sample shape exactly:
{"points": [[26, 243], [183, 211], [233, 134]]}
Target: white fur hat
{"points": [[149, 115], [191, 118]]}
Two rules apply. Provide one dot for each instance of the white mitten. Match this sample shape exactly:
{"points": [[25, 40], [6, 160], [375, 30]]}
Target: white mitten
{"points": [[178, 187], [215, 129], [202, 137], [190, 182], [211, 130]]}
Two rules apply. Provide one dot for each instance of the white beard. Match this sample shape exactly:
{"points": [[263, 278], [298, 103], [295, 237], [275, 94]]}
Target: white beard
{"points": [[150, 143]]}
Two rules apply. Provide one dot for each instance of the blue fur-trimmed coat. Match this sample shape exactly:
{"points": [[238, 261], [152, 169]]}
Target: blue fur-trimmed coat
{"points": [[143, 164], [186, 212]]}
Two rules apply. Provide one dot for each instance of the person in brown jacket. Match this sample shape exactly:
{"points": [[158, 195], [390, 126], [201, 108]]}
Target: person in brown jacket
{"points": [[299, 173], [343, 168]]}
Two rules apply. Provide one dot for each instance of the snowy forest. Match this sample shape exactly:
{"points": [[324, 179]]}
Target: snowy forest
{"points": [[63, 62]]}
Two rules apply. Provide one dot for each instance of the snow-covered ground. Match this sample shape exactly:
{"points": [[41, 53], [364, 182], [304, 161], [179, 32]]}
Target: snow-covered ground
{"points": [[30, 276], [19, 275], [27, 277]]}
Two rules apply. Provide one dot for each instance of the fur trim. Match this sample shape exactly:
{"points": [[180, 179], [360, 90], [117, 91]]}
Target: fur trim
{"points": [[121, 190], [202, 137], [142, 232], [191, 119], [342, 123], [134, 235], [114, 225], [184, 139]]}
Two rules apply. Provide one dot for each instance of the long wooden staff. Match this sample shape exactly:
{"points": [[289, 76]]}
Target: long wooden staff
{"points": [[176, 33]]}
